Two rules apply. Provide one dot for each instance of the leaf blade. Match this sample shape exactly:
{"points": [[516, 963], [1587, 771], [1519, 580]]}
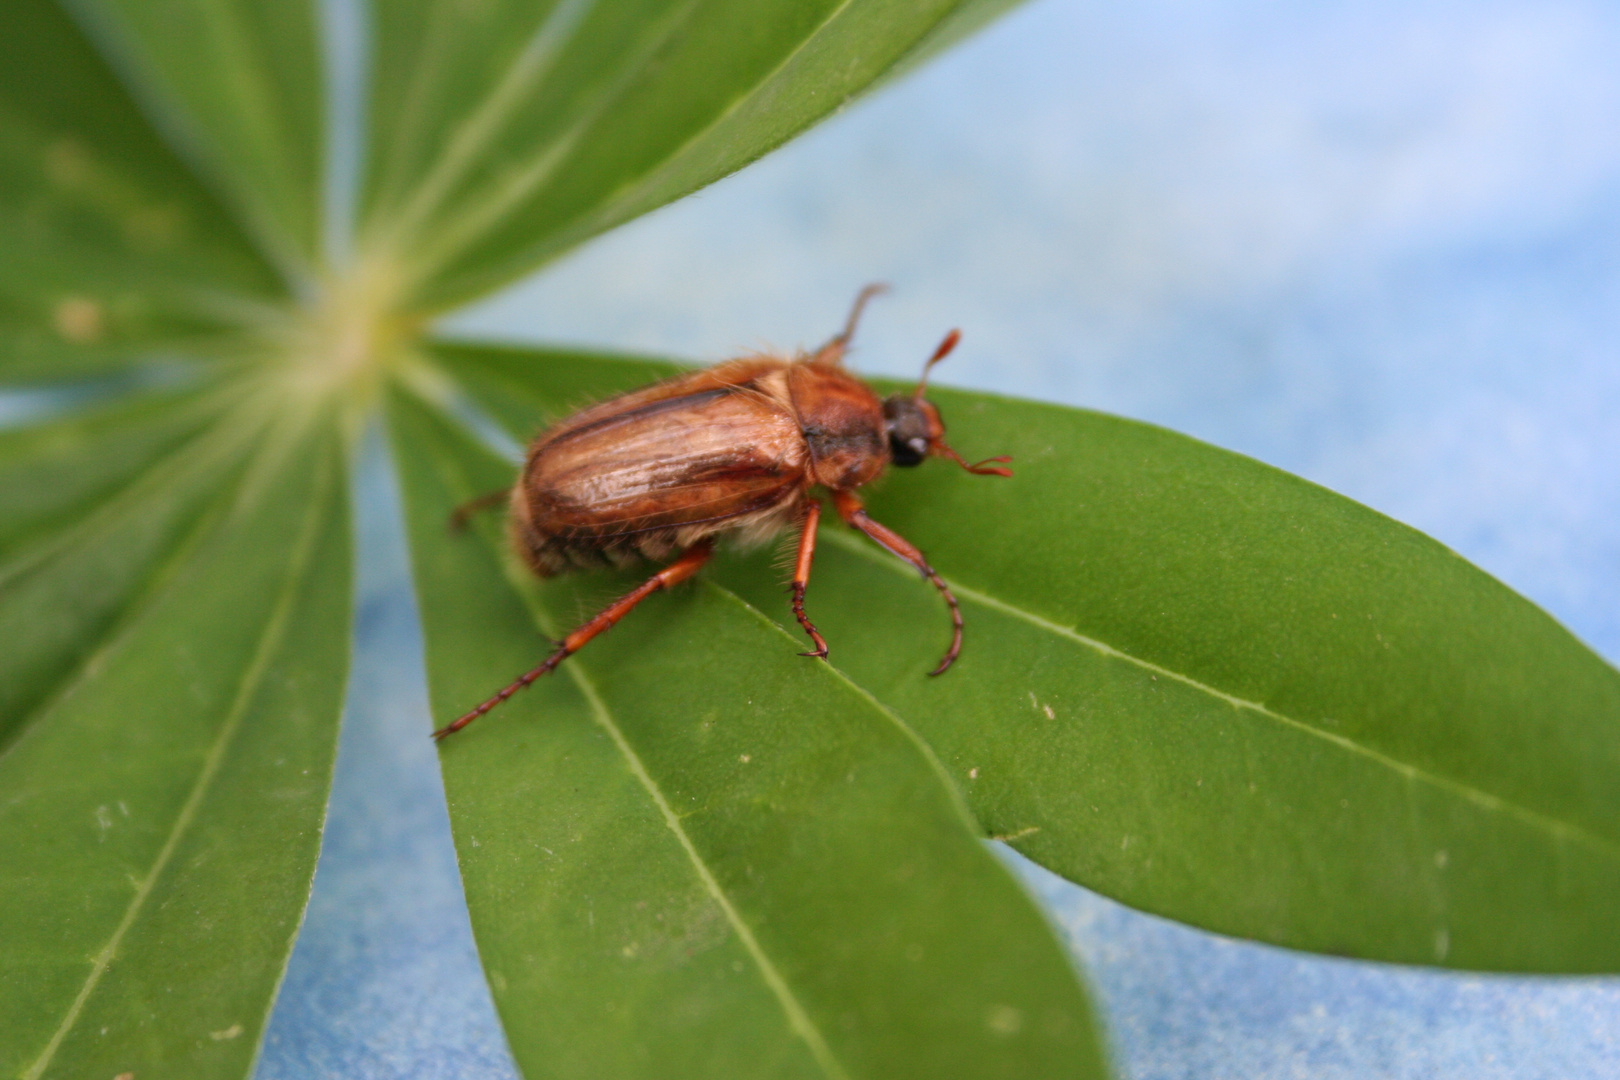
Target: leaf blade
{"points": [[784, 963], [162, 817], [552, 116], [65, 587], [1225, 695]]}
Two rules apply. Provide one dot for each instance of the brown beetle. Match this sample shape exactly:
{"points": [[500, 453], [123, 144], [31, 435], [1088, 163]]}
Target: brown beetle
{"points": [[735, 448]]}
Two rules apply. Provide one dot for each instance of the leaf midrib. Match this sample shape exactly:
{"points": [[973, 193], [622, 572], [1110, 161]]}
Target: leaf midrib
{"points": [[269, 642], [798, 1018], [1559, 829]]}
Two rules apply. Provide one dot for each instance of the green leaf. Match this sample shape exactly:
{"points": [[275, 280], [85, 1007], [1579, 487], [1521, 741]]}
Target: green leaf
{"points": [[164, 771], [235, 85], [693, 853], [52, 473], [130, 485], [507, 132], [174, 566], [1217, 692], [111, 253], [802, 894]]}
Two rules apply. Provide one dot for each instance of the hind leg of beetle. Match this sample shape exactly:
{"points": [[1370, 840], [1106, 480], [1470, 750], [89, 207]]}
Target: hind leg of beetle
{"points": [[690, 562], [854, 514], [801, 577], [833, 351], [463, 513]]}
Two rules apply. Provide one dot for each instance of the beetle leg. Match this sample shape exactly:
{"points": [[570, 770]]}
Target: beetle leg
{"points": [[463, 513], [801, 577], [854, 514], [676, 572], [833, 351]]}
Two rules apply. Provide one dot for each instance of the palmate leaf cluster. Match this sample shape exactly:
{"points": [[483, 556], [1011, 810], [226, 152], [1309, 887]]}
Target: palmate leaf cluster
{"points": [[1196, 684]]}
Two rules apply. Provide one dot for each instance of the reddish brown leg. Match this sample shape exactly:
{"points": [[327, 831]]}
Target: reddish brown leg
{"points": [[676, 572], [463, 513], [801, 577], [854, 514]]}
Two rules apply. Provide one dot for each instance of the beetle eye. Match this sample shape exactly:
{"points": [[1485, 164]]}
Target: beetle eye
{"points": [[908, 428], [907, 452]]}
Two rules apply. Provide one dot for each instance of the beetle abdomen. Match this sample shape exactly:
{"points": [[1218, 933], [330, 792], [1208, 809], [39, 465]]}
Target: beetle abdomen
{"points": [[653, 472]]}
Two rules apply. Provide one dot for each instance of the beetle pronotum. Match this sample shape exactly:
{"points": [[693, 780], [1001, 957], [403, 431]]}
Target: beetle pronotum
{"points": [[736, 448]]}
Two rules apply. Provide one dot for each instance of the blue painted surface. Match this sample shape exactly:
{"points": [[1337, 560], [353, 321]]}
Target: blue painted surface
{"points": [[384, 981], [1374, 244]]}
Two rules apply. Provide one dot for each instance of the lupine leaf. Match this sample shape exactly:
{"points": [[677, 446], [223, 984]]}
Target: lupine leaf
{"points": [[160, 806], [1215, 691], [510, 131], [694, 853]]}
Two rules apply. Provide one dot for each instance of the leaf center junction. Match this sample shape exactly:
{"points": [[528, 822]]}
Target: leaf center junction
{"points": [[348, 335]]}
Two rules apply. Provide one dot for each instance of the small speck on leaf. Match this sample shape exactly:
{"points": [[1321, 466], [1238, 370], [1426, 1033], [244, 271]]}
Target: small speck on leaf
{"points": [[1004, 1020], [229, 1033], [79, 320]]}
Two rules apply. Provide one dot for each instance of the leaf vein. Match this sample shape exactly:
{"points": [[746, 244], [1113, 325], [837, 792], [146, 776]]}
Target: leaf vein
{"points": [[483, 124], [1560, 830], [191, 456], [798, 1019]]}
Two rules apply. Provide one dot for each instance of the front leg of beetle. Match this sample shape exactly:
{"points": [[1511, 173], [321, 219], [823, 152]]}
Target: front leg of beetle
{"points": [[854, 514]]}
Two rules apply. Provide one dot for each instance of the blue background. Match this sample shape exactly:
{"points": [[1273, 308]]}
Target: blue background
{"points": [[1374, 244]]}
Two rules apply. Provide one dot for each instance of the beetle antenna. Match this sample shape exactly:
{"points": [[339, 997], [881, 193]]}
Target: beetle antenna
{"points": [[877, 288], [990, 466], [833, 351], [940, 353]]}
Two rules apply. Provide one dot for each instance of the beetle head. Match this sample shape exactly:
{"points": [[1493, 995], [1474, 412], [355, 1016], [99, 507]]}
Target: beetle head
{"points": [[915, 429], [913, 424]]}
